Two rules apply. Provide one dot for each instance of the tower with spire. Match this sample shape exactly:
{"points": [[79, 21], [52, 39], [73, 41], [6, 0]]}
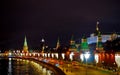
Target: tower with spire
{"points": [[43, 45], [97, 32], [99, 46], [84, 44], [25, 46], [58, 44], [72, 47]]}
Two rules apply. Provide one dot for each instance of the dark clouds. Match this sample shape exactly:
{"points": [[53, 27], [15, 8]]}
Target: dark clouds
{"points": [[55, 18]]}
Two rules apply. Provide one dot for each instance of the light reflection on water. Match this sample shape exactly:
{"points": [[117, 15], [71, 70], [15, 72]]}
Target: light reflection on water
{"points": [[14, 66], [10, 67]]}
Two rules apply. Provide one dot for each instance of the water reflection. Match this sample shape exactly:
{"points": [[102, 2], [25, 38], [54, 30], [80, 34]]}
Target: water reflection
{"points": [[10, 67], [14, 66]]}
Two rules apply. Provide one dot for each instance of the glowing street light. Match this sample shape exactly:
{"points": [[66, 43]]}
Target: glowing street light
{"points": [[63, 55], [48, 54], [10, 53], [82, 57], [33, 54], [87, 54], [45, 54], [71, 56], [117, 59], [56, 54], [38, 54], [52, 55]]}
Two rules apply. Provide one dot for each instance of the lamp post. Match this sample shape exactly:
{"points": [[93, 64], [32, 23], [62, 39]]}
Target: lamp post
{"points": [[71, 56], [86, 57]]}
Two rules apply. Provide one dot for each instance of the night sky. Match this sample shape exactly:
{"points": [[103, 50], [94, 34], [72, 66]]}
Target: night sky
{"points": [[51, 19]]}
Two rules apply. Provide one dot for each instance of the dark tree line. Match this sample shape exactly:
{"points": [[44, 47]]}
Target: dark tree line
{"points": [[112, 45]]}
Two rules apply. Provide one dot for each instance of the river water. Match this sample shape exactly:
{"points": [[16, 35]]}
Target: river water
{"points": [[13, 66]]}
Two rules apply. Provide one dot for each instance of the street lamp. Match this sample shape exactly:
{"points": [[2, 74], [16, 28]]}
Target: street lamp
{"points": [[71, 56], [87, 54], [63, 55]]}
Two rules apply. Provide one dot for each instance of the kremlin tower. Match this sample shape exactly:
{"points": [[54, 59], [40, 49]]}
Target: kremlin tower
{"points": [[99, 46], [100, 53], [84, 45], [58, 44], [25, 47], [73, 47], [43, 45]]}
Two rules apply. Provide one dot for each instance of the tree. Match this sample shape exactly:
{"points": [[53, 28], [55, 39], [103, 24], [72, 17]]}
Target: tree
{"points": [[112, 45]]}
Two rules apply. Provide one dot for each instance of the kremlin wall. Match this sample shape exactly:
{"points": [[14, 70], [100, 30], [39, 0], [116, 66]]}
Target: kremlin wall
{"points": [[94, 45]]}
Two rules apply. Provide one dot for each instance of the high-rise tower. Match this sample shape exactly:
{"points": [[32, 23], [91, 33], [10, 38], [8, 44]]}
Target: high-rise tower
{"points": [[25, 46]]}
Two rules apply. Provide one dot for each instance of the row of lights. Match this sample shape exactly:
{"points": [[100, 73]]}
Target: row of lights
{"points": [[53, 55]]}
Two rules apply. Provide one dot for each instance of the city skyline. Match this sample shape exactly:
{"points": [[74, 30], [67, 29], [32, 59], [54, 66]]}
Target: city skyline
{"points": [[53, 19]]}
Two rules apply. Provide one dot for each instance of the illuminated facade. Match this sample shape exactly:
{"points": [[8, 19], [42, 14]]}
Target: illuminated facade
{"points": [[104, 38], [95, 37]]}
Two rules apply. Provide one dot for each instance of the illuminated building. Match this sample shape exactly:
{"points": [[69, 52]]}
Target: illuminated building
{"points": [[42, 45], [84, 44], [25, 46], [96, 40], [72, 47], [58, 44], [99, 46], [85, 49], [94, 44]]}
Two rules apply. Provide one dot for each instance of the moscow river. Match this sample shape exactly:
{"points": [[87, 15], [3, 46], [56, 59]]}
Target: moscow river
{"points": [[13, 66]]}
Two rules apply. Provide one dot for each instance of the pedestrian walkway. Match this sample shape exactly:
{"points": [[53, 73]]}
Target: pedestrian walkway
{"points": [[67, 71]]}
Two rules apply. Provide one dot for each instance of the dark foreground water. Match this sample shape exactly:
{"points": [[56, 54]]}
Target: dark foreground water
{"points": [[12, 66]]}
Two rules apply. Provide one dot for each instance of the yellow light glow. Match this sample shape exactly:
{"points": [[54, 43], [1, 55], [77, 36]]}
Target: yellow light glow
{"points": [[82, 57], [56, 54], [117, 59], [71, 56], [96, 58], [63, 55]]}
